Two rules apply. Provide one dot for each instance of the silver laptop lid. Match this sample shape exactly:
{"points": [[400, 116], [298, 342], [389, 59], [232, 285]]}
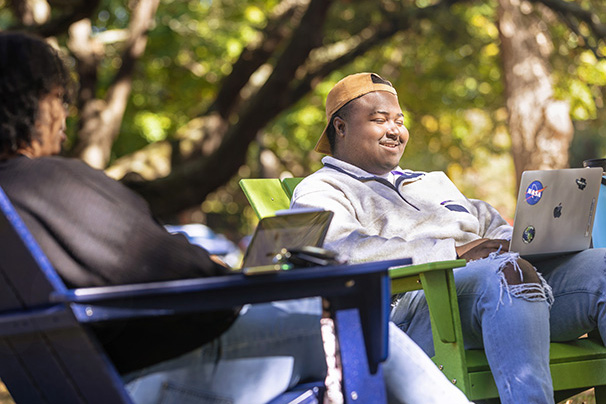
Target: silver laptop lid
{"points": [[289, 229], [555, 211]]}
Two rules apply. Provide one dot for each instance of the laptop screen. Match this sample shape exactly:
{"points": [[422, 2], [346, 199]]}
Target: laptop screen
{"points": [[290, 230]]}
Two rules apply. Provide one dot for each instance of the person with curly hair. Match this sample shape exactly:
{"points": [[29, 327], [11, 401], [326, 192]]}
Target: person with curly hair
{"points": [[32, 98]]}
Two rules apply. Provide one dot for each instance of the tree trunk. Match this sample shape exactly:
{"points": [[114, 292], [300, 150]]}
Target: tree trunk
{"points": [[100, 119], [540, 126]]}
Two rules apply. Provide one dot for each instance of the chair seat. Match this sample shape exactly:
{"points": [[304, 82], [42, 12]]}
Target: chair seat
{"points": [[575, 351], [579, 350], [584, 358]]}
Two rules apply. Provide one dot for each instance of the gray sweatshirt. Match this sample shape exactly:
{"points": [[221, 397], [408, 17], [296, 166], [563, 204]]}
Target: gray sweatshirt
{"points": [[404, 214]]}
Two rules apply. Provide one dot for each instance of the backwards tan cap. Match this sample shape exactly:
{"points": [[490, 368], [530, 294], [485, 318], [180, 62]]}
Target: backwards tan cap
{"points": [[349, 88]]}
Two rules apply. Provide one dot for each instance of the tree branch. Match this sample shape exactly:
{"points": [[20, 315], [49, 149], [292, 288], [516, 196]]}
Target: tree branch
{"points": [[102, 118], [573, 25], [379, 33], [269, 100], [273, 95], [572, 9], [255, 55], [87, 54]]}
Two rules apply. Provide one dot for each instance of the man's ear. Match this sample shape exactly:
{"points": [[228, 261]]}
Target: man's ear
{"points": [[339, 125]]}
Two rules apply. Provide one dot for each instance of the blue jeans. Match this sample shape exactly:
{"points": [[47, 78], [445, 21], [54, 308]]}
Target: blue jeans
{"points": [[272, 347], [513, 328]]}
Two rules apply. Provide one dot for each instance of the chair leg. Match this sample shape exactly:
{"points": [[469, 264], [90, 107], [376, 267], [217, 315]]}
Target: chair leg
{"points": [[600, 394]]}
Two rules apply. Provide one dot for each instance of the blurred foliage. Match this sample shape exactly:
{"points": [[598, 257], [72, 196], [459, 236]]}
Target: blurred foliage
{"points": [[447, 71], [189, 51]]}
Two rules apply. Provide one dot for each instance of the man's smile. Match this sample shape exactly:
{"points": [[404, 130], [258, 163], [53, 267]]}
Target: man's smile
{"points": [[390, 142]]}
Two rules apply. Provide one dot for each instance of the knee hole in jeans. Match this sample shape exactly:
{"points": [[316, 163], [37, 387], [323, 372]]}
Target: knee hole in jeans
{"points": [[525, 274]]}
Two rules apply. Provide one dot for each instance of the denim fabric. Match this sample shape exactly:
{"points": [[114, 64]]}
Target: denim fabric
{"points": [[578, 282], [411, 377], [272, 347], [514, 328], [269, 348]]}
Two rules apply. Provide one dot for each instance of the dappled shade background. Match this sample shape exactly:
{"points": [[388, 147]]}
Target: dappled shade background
{"points": [[180, 99]]}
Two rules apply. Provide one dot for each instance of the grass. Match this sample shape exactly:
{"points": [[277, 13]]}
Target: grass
{"points": [[582, 398]]}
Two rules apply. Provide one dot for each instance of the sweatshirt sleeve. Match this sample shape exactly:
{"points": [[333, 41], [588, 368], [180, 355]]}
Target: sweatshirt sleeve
{"points": [[492, 224], [97, 232], [352, 240]]}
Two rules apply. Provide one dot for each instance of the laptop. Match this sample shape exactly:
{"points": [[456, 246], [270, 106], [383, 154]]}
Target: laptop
{"points": [[555, 211], [290, 229]]}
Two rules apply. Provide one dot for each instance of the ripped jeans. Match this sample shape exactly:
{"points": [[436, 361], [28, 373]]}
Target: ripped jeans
{"points": [[514, 323]]}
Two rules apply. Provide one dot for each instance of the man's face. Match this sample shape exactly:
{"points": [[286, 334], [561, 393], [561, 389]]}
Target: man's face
{"points": [[50, 125], [372, 136]]}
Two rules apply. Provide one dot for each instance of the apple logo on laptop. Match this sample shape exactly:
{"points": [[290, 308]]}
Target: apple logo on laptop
{"points": [[557, 211]]}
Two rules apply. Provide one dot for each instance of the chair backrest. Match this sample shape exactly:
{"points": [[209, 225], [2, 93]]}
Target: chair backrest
{"points": [[289, 185], [268, 195], [45, 355]]}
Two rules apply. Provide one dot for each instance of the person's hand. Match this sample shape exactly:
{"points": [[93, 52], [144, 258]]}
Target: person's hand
{"points": [[481, 248]]}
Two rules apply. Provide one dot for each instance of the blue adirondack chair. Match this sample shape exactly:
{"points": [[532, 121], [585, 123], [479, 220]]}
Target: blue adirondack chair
{"points": [[48, 353]]}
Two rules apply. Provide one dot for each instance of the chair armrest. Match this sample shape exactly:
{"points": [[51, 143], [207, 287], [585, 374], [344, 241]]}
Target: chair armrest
{"points": [[407, 278], [437, 282], [360, 286]]}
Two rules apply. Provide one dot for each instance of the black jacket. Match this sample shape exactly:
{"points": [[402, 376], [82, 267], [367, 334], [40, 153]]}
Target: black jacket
{"points": [[96, 232]]}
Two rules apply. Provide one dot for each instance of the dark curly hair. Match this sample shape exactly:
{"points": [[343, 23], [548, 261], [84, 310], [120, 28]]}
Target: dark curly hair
{"points": [[29, 69]]}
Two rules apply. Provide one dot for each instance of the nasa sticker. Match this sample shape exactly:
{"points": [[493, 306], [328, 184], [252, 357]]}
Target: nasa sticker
{"points": [[534, 192]]}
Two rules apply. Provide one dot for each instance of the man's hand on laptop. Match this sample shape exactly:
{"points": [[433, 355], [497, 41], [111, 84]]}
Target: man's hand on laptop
{"points": [[481, 248]]}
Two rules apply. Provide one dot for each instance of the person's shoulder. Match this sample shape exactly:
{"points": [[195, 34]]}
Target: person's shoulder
{"points": [[41, 165], [66, 169], [438, 180], [436, 176], [73, 164], [56, 162], [320, 181], [314, 179], [441, 175], [319, 174]]}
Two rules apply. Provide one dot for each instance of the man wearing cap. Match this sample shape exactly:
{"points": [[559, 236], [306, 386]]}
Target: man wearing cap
{"points": [[382, 211]]}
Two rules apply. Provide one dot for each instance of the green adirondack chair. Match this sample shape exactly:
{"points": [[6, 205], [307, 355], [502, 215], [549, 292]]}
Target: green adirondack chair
{"points": [[575, 366]]}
